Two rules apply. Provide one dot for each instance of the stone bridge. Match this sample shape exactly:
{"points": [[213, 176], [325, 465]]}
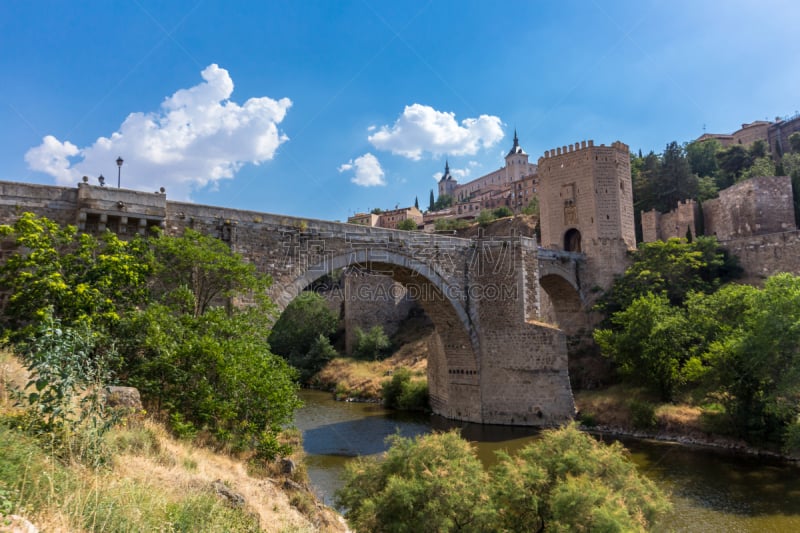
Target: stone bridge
{"points": [[493, 358]]}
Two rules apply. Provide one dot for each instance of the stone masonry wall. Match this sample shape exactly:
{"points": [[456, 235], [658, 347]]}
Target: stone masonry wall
{"points": [[764, 255], [663, 226], [373, 300], [753, 207]]}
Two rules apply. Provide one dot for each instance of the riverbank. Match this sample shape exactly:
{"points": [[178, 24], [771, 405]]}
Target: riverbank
{"points": [[616, 410], [150, 481], [620, 410]]}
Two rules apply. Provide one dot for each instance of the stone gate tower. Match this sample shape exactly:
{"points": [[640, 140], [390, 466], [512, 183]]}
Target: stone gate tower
{"points": [[586, 205]]}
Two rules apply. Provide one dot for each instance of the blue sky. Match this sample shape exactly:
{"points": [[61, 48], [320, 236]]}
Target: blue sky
{"points": [[322, 109]]}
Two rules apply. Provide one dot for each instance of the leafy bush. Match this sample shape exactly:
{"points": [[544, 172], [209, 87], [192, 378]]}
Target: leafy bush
{"points": [[449, 224], [403, 394], [435, 480], [566, 481], [64, 399], [502, 212], [485, 218], [532, 208], [643, 414], [212, 373], [371, 345], [407, 225]]}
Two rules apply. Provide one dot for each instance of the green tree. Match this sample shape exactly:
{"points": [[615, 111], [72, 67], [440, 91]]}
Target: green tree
{"points": [[706, 189], [644, 176], [416, 202], [444, 201], [207, 267], [791, 167], [401, 392], [568, 481], [82, 278], [757, 365], [213, 372], [532, 208], [763, 166], [794, 142], [649, 343], [485, 218], [674, 267], [434, 481], [431, 202], [296, 334], [69, 368], [407, 225], [371, 345], [675, 179], [502, 212], [702, 157], [758, 149], [733, 161]]}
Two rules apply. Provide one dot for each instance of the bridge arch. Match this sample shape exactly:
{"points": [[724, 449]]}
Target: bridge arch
{"points": [[453, 363], [565, 305]]}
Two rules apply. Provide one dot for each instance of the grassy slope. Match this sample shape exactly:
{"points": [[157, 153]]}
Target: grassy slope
{"points": [[354, 379], [154, 483]]}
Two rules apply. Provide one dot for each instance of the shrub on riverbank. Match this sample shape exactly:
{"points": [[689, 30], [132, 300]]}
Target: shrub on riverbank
{"points": [[565, 481], [405, 394]]}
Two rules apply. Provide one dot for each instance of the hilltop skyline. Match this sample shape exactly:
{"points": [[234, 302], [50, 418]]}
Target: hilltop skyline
{"points": [[322, 110]]}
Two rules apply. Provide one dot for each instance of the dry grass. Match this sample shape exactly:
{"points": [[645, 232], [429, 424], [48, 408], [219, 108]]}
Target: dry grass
{"points": [[611, 407], [12, 375]]}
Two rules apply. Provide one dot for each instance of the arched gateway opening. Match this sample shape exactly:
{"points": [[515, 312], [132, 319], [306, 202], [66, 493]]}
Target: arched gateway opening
{"points": [[453, 369], [572, 241]]}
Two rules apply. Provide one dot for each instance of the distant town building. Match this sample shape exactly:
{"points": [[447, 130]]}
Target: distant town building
{"points": [[387, 219], [775, 134], [512, 186], [364, 219]]}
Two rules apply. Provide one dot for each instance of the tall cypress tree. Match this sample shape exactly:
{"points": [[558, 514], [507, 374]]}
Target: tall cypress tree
{"points": [[416, 202], [430, 206]]}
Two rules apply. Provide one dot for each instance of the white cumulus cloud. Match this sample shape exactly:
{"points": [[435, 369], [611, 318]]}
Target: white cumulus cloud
{"points": [[423, 129], [197, 138], [368, 171]]}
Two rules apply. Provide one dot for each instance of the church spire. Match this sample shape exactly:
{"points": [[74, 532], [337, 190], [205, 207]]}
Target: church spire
{"points": [[516, 149], [446, 176]]}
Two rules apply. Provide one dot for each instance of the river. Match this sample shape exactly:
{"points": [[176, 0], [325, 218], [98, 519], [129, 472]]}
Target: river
{"points": [[711, 490]]}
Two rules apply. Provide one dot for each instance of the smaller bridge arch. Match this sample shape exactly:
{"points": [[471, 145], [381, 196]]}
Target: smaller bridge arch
{"points": [[564, 302]]}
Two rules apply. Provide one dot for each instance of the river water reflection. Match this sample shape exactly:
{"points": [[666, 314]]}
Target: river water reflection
{"points": [[711, 490]]}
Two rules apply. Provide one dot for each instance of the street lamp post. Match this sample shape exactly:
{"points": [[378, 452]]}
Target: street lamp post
{"points": [[119, 170]]}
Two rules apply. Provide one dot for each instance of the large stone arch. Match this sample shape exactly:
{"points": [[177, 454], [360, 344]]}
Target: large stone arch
{"points": [[453, 362]]}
